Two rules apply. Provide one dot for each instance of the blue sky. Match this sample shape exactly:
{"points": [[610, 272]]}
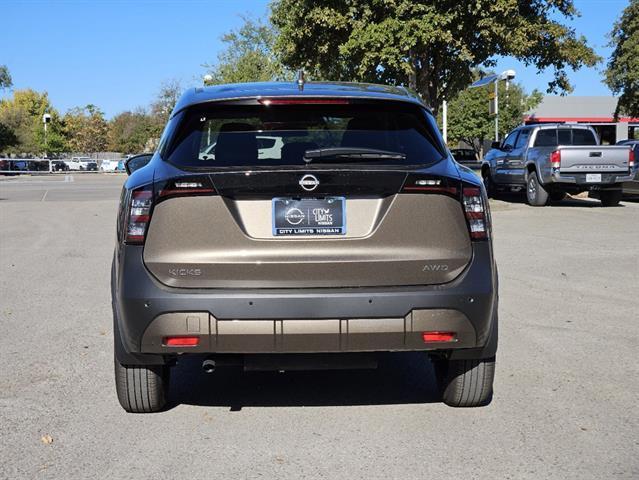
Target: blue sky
{"points": [[116, 53]]}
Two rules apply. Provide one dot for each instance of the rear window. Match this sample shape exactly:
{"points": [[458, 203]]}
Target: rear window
{"points": [[550, 137], [214, 135], [582, 136]]}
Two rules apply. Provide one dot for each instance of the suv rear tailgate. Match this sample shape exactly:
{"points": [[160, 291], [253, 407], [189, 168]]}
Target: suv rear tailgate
{"points": [[590, 159], [226, 240]]}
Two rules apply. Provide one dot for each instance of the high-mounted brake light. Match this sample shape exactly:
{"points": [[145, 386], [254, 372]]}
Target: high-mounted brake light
{"points": [[303, 101], [475, 211], [139, 215], [555, 159], [631, 159]]}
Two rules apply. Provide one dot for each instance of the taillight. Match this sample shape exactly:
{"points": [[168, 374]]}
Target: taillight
{"points": [[419, 184], [475, 212], [555, 159], [631, 159], [185, 186], [142, 202], [139, 215]]}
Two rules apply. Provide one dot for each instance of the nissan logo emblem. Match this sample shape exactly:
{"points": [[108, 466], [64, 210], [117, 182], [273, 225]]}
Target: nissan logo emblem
{"points": [[309, 182]]}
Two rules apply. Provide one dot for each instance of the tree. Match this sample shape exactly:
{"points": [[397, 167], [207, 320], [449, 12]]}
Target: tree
{"points": [[470, 122], [431, 46], [8, 137], [86, 129], [129, 132], [5, 77], [161, 108], [248, 56], [22, 115], [622, 74]]}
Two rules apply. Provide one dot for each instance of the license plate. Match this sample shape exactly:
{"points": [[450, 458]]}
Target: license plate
{"points": [[309, 216], [593, 177]]}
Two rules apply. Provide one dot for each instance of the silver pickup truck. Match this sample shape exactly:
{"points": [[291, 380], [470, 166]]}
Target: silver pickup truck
{"points": [[550, 160]]}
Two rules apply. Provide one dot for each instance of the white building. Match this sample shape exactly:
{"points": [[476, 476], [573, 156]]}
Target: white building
{"points": [[596, 111]]}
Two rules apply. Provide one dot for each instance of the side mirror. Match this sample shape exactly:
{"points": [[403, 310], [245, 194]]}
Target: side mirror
{"points": [[496, 145], [136, 162]]}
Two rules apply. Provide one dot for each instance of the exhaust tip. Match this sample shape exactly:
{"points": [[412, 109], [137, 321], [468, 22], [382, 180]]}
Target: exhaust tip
{"points": [[208, 366]]}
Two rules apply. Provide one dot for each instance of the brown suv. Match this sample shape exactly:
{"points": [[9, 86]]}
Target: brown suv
{"points": [[353, 233]]}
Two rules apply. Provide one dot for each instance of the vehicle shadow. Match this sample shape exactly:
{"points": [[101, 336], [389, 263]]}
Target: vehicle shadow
{"points": [[569, 201], [401, 378]]}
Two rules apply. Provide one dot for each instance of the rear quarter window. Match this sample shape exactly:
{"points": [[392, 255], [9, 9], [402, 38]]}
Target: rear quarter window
{"points": [[546, 137]]}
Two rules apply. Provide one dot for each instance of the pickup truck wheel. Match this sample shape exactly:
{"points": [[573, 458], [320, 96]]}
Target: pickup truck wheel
{"points": [[536, 194], [142, 389], [465, 383], [489, 185], [610, 198]]}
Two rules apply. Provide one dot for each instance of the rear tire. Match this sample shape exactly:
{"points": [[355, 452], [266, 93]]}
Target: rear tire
{"points": [[489, 184], [536, 194], [142, 389], [610, 198], [465, 383]]}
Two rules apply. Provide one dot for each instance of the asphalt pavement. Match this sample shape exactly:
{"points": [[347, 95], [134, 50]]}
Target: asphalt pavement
{"points": [[566, 387]]}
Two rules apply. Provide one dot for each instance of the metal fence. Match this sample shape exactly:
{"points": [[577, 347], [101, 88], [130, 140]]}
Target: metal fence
{"points": [[34, 166]]}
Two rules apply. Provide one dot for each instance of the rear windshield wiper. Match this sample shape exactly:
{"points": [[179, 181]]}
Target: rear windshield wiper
{"points": [[351, 154]]}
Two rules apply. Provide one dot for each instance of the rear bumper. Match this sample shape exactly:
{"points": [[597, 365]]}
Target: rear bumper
{"points": [[607, 179], [303, 320]]}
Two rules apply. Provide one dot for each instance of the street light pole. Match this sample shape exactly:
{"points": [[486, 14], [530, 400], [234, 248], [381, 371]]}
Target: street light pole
{"points": [[496, 111], [507, 75], [46, 118]]}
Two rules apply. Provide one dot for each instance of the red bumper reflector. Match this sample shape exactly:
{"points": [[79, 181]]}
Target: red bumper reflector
{"points": [[181, 341], [438, 336]]}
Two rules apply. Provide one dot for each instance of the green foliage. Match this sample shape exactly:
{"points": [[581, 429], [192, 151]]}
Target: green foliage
{"points": [[470, 122], [8, 137], [129, 132], [248, 56], [22, 116], [622, 74], [86, 129], [431, 46], [5, 77]]}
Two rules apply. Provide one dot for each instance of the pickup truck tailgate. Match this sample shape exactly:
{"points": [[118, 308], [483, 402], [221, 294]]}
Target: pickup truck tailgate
{"points": [[590, 159]]}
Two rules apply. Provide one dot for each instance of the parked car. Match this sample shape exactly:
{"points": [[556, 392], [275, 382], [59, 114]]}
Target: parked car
{"points": [[631, 188], [550, 160], [266, 147], [109, 165], [91, 166], [81, 163], [465, 156], [59, 166], [360, 235]]}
